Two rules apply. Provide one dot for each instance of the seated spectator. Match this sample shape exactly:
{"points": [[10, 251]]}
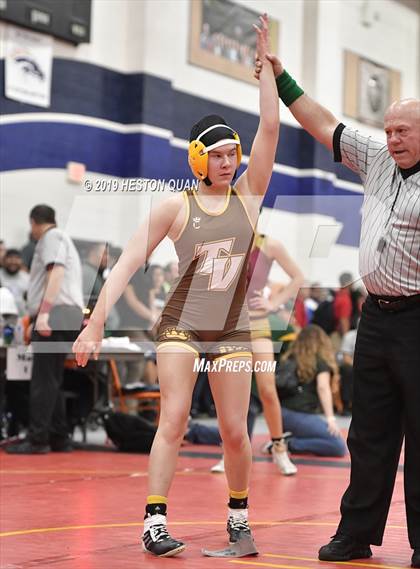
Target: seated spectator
{"points": [[315, 367], [15, 278], [199, 434]]}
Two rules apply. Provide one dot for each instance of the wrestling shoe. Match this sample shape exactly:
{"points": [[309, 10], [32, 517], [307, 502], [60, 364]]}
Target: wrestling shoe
{"points": [[238, 527], [156, 539]]}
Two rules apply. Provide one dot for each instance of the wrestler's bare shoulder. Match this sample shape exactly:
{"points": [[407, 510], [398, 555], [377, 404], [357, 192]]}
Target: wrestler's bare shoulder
{"points": [[174, 208]]}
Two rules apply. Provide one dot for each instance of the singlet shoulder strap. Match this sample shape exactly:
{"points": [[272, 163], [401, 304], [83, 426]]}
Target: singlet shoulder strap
{"points": [[186, 214], [241, 199]]}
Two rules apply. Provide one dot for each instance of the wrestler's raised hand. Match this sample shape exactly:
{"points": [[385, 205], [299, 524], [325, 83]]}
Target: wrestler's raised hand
{"points": [[263, 38], [275, 62]]}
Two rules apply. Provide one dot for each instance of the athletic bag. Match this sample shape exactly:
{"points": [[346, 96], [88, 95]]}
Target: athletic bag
{"points": [[129, 433]]}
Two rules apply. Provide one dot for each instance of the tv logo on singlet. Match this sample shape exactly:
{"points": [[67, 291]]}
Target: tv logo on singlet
{"points": [[218, 263]]}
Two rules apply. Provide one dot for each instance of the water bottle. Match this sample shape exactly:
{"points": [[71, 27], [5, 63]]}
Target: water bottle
{"points": [[19, 332], [8, 334]]}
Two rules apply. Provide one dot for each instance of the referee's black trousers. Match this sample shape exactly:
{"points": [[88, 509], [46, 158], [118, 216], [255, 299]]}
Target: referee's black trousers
{"points": [[386, 408], [48, 421]]}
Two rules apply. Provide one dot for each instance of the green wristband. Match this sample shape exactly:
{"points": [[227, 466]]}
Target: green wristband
{"points": [[288, 89]]}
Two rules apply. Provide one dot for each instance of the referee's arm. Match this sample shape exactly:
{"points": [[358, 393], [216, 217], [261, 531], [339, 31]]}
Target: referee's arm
{"points": [[315, 119], [312, 116]]}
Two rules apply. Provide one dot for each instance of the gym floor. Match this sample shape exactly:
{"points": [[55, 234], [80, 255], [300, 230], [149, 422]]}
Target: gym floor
{"points": [[84, 510]]}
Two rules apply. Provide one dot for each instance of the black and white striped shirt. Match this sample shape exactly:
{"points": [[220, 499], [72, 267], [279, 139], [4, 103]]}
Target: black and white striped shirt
{"points": [[389, 260]]}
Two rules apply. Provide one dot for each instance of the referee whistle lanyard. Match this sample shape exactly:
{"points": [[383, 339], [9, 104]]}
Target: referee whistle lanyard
{"points": [[382, 240]]}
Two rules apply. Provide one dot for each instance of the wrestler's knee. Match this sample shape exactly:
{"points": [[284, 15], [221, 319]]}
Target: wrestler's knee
{"points": [[172, 425], [234, 436]]}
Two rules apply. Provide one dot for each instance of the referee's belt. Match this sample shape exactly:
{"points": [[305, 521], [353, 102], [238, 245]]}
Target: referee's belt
{"points": [[395, 303]]}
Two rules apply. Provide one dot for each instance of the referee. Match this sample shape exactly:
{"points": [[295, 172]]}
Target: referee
{"points": [[386, 405]]}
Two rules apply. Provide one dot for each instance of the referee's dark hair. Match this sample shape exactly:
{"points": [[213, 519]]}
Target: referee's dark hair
{"points": [[42, 214]]}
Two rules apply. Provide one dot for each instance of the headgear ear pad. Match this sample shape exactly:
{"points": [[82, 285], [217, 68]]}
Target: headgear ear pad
{"points": [[208, 134]]}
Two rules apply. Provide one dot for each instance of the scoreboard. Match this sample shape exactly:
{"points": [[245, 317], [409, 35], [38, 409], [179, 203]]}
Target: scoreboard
{"points": [[68, 20]]}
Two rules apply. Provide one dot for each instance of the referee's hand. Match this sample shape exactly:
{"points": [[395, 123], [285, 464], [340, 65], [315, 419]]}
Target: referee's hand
{"points": [[275, 62]]}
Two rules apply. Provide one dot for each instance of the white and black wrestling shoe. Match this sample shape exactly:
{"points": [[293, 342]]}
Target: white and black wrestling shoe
{"points": [[156, 539]]}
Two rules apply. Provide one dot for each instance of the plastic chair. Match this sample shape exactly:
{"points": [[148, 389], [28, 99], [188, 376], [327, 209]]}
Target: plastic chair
{"points": [[147, 396]]}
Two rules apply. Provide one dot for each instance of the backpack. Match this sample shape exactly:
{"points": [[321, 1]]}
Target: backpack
{"points": [[129, 433], [324, 316]]}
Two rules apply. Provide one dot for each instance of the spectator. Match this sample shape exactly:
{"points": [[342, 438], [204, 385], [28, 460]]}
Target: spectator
{"points": [[343, 308], [93, 281], [264, 253], [55, 302], [14, 278], [300, 316], [317, 294], [8, 317], [315, 366], [27, 252]]}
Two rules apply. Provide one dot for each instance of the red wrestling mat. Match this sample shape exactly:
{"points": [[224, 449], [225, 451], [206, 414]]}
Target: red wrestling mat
{"points": [[84, 511]]}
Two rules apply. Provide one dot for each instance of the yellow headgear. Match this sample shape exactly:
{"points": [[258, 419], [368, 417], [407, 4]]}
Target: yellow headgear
{"points": [[198, 153]]}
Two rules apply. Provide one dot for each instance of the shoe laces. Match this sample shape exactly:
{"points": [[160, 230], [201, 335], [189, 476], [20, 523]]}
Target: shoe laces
{"points": [[343, 538], [238, 523], [159, 533]]}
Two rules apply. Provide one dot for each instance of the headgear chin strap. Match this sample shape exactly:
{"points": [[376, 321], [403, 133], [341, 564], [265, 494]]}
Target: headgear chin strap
{"points": [[198, 152]]}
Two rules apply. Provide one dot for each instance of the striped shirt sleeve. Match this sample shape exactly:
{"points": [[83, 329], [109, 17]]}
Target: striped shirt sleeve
{"points": [[354, 150]]}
